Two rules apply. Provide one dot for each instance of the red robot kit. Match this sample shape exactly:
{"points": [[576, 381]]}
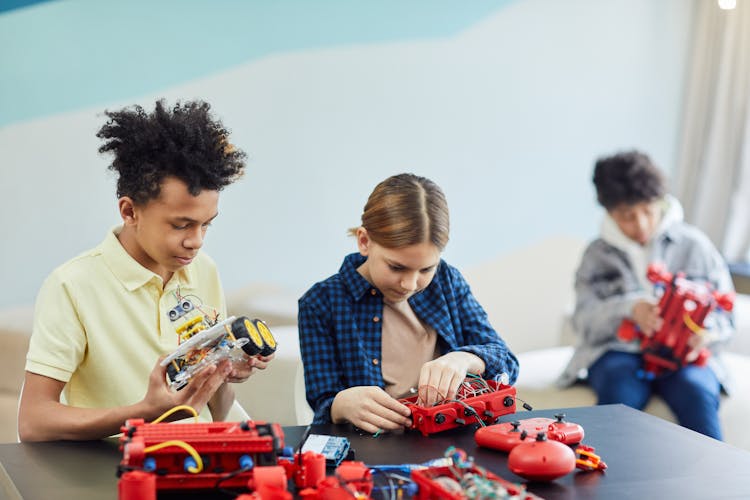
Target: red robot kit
{"points": [[684, 305], [478, 401], [199, 455], [249, 459]]}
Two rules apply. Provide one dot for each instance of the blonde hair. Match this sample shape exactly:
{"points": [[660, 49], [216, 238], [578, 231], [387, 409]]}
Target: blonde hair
{"points": [[405, 210]]}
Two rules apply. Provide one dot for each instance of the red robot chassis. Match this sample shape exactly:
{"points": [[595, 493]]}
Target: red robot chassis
{"points": [[683, 306], [499, 399], [223, 447]]}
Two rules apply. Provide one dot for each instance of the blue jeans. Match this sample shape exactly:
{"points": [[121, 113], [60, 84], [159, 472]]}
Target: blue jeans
{"points": [[692, 393]]}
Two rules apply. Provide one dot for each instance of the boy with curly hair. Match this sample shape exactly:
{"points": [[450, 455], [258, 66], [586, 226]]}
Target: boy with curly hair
{"points": [[643, 224], [99, 326]]}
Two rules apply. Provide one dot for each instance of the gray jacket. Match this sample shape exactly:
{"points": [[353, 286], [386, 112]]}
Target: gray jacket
{"points": [[607, 288]]}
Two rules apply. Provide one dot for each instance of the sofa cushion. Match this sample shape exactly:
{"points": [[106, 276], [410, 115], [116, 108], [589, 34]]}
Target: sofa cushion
{"points": [[12, 360], [8, 418], [15, 331], [539, 372], [528, 292], [271, 303]]}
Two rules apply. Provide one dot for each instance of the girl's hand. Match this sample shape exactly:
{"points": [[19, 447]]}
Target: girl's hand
{"points": [[370, 408], [646, 315], [440, 378]]}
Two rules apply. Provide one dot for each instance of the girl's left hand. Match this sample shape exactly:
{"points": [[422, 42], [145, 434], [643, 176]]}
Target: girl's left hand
{"points": [[242, 369], [440, 378]]}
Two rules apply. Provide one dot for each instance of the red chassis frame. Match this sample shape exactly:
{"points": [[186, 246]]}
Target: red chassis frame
{"points": [[486, 407]]}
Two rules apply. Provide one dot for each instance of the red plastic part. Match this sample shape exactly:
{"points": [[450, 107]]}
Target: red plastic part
{"points": [[683, 306], [314, 468], [506, 436], [220, 445], [356, 475], [270, 483], [137, 485], [485, 407], [541, 460], [351, 480]]}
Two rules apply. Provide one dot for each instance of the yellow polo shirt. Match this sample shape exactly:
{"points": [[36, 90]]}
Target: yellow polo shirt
{"points": [[101, 322]]}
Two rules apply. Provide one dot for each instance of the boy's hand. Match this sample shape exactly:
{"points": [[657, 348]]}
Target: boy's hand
{"points": [[370, 408], [646, 315], [698, 342], [440, 378], [196, 394], [242, 369]]}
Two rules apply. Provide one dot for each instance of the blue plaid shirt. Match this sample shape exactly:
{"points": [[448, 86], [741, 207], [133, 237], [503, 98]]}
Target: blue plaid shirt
{"points": [[340, 331]]}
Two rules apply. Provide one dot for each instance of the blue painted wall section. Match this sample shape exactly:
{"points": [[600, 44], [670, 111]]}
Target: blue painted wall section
{"points": [[7, 5], [505, 104], [61, 56]]}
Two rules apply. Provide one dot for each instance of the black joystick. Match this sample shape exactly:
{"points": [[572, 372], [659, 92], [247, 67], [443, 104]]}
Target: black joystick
{"points": [[560, 418], [516, 424]]}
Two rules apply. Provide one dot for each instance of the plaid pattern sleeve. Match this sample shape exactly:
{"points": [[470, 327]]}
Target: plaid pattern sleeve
{"points": [[340, 336], [322, 372]]}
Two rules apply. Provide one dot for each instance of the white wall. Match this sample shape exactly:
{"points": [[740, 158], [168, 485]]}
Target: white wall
{"points": [[507, 112]]}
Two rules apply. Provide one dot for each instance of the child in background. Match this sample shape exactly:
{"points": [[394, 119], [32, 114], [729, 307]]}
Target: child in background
{"points": [[643, 225], [100, 324], [396, 319]]}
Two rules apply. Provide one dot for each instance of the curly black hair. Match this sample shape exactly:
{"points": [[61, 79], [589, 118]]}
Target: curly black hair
{"points": [[185, 142], [627, 178]]}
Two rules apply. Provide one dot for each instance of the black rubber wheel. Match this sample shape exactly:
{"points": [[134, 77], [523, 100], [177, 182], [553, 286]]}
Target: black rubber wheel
{"points": [[269, 342], [243, 328]]}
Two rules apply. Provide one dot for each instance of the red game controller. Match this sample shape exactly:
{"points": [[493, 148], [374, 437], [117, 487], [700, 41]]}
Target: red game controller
{"points": [[507, 436], [541, 459]]}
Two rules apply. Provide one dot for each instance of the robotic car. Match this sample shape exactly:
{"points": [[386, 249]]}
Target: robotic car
{"points": [[204, 339]]}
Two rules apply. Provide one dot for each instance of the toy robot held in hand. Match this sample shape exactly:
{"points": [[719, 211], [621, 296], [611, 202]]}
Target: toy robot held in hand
{"points": [[683, 307], [205, 339]]}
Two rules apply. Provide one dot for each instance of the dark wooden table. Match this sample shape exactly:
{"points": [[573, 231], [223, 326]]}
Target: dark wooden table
{"points": [[647, 458]]}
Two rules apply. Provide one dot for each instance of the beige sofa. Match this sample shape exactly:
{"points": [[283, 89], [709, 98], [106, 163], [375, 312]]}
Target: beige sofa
{"points": [[15, 329]]}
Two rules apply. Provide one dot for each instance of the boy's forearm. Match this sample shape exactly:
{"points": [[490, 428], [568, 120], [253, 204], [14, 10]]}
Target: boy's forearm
{"points": [[75, 424], [221, 402]]}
